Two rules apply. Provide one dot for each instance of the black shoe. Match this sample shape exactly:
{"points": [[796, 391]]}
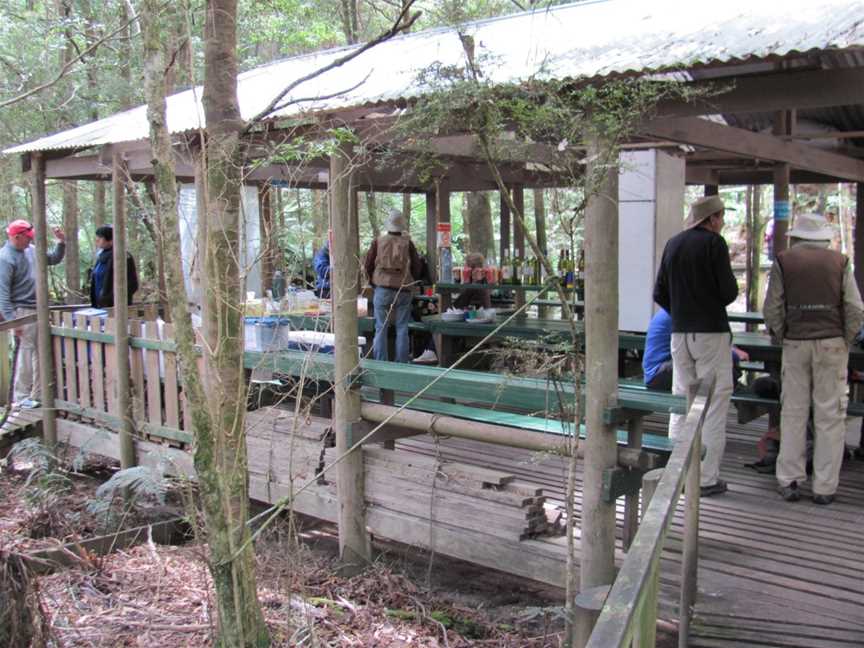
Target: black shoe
{"points": [[823, 500], [789, 493], [717, 488]]}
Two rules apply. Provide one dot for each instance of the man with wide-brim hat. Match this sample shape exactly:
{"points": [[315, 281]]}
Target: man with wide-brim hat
{"points": [[392, 266], [18, 299], [694, 285], [814, 308]]}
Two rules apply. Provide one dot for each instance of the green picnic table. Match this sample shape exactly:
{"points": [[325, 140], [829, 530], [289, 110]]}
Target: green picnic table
{"points": [[750, 317]]}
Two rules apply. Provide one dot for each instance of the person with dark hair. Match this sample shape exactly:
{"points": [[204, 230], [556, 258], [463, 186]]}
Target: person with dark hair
{"points": [[102, 274], [694, 285]]}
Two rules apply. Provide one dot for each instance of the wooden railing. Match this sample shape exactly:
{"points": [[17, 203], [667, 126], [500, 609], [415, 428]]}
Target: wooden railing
{"points": [[85, 381], [629, 613]]}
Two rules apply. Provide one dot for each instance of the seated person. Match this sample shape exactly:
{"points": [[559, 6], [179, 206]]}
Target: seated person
{"points": [[478, 297], [657, 359], [468, 297]]}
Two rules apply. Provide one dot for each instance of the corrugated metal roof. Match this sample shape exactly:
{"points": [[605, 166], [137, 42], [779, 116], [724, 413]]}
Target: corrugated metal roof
{"points": [[590, 39]]}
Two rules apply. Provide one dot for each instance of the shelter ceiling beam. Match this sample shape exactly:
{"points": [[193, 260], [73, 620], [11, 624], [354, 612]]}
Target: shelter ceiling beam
{"points": [[758, 146], [770, 92]]}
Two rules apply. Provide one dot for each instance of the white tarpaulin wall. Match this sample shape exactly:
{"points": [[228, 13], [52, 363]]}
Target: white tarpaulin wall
{"points": [[250, 245]]}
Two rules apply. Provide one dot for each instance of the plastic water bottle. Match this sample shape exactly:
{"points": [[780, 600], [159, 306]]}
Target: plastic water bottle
{"points": [[278, 285], [446, 266]]}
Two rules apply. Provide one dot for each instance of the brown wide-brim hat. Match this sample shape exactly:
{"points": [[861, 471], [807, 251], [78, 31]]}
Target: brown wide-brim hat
{"points": [[702, 209]]}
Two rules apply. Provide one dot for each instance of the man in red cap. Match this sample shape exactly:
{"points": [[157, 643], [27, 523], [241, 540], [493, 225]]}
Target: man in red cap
{"points": [[18, 298]]}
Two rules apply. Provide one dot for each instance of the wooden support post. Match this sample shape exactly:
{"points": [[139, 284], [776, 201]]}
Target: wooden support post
{"points": [[5, 367], [431, 235], [601, 365], [782, 207], [121, 314], [712, 189], [859, 236], [354, 545], [690, 555], [504, 249], [519, 236], [43, 323], [631, 501], [650, 480]]}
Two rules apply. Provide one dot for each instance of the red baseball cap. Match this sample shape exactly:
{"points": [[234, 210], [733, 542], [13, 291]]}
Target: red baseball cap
{"points": [[20, 227]]}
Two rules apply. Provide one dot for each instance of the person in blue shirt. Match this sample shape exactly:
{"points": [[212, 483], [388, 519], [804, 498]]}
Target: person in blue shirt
{"points": [[321, 264], [657, 359]]}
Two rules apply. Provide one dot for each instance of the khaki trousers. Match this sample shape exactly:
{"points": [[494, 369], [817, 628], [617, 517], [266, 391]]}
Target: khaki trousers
{"points": [[27, 365], [814, 372], [695, 357]]}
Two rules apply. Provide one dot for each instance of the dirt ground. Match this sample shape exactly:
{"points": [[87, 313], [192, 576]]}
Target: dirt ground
{"points": [[154, 595]]}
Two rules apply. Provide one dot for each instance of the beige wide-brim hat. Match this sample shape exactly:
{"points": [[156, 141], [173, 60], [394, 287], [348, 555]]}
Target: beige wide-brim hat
{"points": [[395, 222], [812, 227], [702, 209]]}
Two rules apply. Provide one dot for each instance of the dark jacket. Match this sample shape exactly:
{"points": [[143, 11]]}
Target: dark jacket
{"points": [[695, 282], [105, 298], [321, 263]]}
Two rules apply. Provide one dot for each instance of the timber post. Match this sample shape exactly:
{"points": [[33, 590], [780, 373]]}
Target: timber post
{"points": [[121, 313], [43, 325], [601, 366], [858, 238], [431, 234], [782, 207], [354, 545], [519, 237]]}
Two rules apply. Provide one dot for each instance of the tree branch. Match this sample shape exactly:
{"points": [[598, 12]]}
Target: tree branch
{"points": [[400, 25], [65, 69]]}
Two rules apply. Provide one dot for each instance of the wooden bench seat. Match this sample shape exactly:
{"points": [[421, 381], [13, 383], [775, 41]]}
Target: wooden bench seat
{"points": [[650, 442]]}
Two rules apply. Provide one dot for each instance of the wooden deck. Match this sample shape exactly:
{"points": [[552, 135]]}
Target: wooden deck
{"points": [[20, 424], [771, 573]]}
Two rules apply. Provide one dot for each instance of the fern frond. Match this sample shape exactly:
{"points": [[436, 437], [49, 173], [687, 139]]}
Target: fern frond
{"points": [[140, 481]]}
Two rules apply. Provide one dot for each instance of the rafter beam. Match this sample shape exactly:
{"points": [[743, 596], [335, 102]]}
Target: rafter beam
{"points": [[758, 146], [770, 92]]}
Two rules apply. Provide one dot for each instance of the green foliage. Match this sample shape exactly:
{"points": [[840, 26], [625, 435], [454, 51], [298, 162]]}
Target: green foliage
{"points": [[46, 483], [140, 485]]}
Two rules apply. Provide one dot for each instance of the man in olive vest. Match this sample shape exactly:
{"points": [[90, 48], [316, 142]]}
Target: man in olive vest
{"points": [[814, 308], [392, 263]]}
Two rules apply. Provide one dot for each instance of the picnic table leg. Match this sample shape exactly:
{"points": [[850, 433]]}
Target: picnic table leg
{"points": [[631, 501], [387, 397]]}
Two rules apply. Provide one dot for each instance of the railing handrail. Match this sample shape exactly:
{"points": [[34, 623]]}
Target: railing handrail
{"points": [[615, 626]]}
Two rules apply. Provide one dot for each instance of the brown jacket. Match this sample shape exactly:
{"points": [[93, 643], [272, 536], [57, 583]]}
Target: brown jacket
{"points": [[392, 261], [812, 295]]}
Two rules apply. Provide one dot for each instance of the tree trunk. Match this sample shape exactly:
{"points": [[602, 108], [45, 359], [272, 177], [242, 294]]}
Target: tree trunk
{"points": [[759, 224], [478, 222], [265, 225], [217, 419], [321, 218], [70, 228], [372, 212], [406, 209], [540, 219]]}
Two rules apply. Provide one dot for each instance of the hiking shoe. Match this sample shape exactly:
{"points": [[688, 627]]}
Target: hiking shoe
{"points": [[822, 500], [428, 356], [789, 493], [717, 488]]}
